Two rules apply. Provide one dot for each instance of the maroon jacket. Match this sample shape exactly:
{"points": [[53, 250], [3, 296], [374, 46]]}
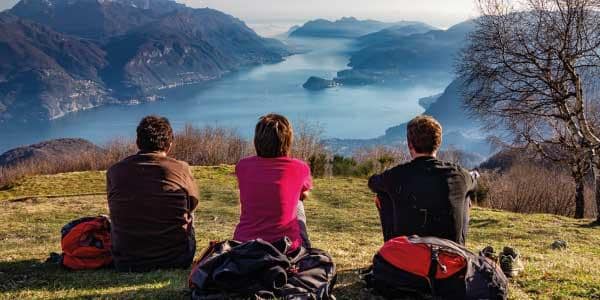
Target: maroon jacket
{"points": [[151, 199]]}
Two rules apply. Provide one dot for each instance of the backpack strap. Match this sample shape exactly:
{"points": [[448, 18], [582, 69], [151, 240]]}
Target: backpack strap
{"points": [[435, 259]]}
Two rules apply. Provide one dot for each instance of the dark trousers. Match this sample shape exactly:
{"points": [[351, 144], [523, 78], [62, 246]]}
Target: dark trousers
{"points": [[386, 216], [301, 215], [181, 262]]}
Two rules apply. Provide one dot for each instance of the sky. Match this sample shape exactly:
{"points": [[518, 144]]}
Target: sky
{"points": [[275, 15]]}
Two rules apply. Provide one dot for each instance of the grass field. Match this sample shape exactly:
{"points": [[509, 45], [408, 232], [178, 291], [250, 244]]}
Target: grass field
{"points": [[342, 220]]}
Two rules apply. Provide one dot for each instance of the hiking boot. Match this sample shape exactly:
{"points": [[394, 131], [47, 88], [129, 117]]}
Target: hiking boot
{"points": [[490, 253], [559, 245], [510, 262]]}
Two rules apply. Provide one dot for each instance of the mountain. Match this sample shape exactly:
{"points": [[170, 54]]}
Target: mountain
{"points": [[44, 73], [435, 49], [448, 109], [349, 27], [48, 150], [391, 34], [61, 56], [93, 19], [404, 51], [460, 130], [184, 47]]}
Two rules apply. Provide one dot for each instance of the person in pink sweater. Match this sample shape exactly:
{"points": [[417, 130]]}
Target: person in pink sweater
{"points": [[273, 187]]}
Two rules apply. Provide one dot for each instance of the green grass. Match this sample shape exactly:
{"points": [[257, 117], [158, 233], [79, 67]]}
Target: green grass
{"points": [[342, 220]]}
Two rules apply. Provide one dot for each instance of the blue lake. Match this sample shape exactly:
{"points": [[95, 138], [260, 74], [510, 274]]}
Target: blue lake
{"points": [[237, 101]]}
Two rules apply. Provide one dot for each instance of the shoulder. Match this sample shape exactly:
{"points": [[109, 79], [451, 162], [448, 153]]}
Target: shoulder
{"points": [[300, 164], [175, 162], [401, 168], [120, 164], [450, 165], [247, 161], [173, 166], [452, 168]]}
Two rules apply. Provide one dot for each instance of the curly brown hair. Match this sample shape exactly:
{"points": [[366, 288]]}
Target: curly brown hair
{"points": [[154, 133], [273, 136], [424, 134]]}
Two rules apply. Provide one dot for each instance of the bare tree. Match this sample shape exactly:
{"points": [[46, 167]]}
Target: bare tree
{"points": [[555, 144], [536, 60]]}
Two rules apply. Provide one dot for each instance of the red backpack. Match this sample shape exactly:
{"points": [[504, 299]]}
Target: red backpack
{"points": [[86, 243], [425, 267]]}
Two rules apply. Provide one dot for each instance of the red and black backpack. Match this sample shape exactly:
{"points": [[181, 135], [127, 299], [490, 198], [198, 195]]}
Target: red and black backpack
{"points": [[86, 243], [435, 268]]}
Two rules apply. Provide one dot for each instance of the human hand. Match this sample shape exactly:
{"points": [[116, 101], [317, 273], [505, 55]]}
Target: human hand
{"points": [[377, 202]]}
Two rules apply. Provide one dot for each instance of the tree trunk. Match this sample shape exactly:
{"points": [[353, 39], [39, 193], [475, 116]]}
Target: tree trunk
{"points": [[579, 197], [596, 171]]}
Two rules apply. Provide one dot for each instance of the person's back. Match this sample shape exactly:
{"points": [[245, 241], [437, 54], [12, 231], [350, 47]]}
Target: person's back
{"points": [[425, 197], [151, 200], [278, 183], [272, 186]]}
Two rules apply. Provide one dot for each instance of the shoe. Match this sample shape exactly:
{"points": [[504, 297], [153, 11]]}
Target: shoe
{"points": [[510, 262], [489, 253]]}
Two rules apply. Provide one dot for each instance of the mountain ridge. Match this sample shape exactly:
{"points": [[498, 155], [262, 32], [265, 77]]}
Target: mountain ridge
{"points": [[349, 27], [126, 54]]}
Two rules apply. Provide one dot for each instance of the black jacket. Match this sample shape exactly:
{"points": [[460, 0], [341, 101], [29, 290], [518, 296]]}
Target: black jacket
{"points": [[425, 197]]}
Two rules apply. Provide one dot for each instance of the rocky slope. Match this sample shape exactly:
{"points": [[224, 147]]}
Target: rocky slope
{"points": [[60, 56], [93, 19], [44, 73]]}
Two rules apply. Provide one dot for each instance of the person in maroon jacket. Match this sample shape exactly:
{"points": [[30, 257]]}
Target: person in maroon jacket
{"points": [[151, 199]]}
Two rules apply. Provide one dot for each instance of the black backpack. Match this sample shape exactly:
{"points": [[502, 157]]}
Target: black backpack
{"points": [[429, 267], [261, 270]]}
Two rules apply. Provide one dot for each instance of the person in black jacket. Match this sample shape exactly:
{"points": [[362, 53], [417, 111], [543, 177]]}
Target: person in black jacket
{"points": [[426, 196]]}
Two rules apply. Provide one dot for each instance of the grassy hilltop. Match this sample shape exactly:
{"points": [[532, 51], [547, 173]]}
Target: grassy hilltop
{"points": [[342, 220]]}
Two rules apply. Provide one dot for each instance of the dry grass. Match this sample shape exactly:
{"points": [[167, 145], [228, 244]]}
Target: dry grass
{"points": [[342, 220]]}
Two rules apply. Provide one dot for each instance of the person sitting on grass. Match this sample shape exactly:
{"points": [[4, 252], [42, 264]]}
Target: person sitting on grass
{"points": [[426, 196], [272, 187], [151, 199]]}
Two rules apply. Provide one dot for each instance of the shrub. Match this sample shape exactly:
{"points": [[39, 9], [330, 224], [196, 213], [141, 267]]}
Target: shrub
{"points": [[318, 164], [342, 166], [527, 188], [210, 146]]}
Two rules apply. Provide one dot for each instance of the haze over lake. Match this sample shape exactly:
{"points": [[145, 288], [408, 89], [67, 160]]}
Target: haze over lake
{"points": [[239, 99]]}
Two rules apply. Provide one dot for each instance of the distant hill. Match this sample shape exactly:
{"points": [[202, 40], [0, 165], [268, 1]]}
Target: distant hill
{"points": [[448, 109], [391, 34], [435, 49], [61, 56], [351, 27], [47, 150]]}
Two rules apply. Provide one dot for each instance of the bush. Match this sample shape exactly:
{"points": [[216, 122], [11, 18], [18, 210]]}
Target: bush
{"points": [[527, 188], [318, 164], [342, 166], [210, 146]]}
